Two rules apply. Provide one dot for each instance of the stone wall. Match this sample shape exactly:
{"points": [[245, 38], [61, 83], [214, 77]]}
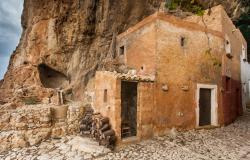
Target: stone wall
{"points": [[110, 108], [33, 124]]}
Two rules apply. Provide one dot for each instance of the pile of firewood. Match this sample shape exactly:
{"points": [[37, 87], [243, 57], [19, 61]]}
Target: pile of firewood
{"points": [[86, 122], [99, 128]]}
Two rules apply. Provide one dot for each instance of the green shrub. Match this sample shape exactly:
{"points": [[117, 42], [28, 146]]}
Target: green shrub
{"points": [[185, 5], [172, 4]]}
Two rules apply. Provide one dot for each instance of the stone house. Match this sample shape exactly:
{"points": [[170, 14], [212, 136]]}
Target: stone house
{"points": [[184, 73]]}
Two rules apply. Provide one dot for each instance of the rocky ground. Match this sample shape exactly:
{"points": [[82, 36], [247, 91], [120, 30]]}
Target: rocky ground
{"points": [[231, 142]]}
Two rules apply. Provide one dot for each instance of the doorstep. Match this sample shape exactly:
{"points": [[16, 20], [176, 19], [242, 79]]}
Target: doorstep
{"points": [[127, 141], [207, 127]]}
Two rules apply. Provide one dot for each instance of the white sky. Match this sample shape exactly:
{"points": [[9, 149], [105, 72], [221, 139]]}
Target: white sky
{"points": [[10, 30]]}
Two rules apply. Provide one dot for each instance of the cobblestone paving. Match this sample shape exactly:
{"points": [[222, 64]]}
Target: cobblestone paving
{"points": [[226, 143]]}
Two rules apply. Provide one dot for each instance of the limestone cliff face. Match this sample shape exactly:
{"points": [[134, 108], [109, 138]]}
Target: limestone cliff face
{"points": [[70, 38], [234, 8], [65, 41]]}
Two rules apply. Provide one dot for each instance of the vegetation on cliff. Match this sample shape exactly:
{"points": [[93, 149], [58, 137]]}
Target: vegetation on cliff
{"points": [[186, 5]]}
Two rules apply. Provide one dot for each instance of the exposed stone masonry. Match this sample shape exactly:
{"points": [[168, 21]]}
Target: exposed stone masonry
{"points": [[30, 125]]}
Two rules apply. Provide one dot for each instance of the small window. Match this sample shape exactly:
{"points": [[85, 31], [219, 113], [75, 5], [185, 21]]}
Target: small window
{"points": [[244, 53], [228, 84], [121, 51], [105, 97], [227, 46], [182, 41]]}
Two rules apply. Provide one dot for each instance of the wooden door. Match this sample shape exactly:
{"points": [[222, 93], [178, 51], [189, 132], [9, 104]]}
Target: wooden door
{"points": [[205, 107], [128, 109]]}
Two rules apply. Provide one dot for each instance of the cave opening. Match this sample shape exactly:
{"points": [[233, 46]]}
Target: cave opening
{"points": [[50, 78]]}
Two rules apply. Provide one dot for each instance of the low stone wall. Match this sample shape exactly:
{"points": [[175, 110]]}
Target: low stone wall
{"points": [[30, 125]]}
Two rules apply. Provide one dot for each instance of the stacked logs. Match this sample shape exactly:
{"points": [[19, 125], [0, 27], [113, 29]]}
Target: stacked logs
{"points": [[99, 128], [86, 122]]}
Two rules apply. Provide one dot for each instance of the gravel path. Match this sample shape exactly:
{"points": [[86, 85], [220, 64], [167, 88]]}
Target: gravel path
{"points": [[226, 143]]}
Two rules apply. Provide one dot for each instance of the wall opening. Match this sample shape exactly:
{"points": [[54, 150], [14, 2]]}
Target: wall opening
{"points": [[51, 78], [105, 96], [243, 53], [128, 109], [182, 41], [228, 84], [121, 50], [228, 47]]}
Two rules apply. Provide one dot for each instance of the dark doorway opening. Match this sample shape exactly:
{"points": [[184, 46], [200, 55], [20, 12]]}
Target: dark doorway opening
{"points": [[128, 109], [205, 107]]}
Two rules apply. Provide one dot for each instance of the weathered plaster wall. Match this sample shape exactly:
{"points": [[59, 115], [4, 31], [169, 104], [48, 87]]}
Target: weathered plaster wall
{"points": [[232, 100], [140, 48], [111, 108], [180, 67], [219, 21], [146, 110], [236, 42]]}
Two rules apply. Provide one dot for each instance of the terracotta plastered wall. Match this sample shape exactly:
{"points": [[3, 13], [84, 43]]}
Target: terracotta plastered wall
{"points": [[235, 38], [112, 107], [218, 20], [140, 49], [232, 99], [181, 68], [145, 110]]}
